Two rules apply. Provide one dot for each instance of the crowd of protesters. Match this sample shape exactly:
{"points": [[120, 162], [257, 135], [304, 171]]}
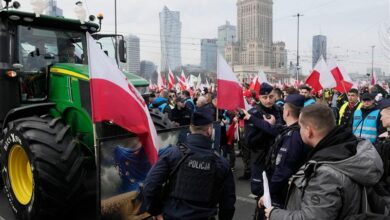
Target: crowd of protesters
{"points": [[319, 151]]}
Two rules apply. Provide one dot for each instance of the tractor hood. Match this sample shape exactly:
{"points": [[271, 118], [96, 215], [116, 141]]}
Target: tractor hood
{"points": [[82, 72]]}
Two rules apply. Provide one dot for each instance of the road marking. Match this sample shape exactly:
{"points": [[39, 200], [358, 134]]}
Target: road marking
{"points": [[247, 200]]}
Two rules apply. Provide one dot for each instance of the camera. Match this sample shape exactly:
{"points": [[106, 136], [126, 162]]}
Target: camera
{"points": [[241, 114]]}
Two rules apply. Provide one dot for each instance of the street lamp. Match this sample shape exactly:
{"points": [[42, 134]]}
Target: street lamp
{"points": [[372, 61], [298, 15]]}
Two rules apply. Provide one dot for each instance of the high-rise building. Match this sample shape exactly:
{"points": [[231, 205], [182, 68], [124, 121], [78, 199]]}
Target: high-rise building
{"points": [[170, 36], [53, 10], [227, 34], [133, 55], [319, 48], [208, 54], [255, 49], [147, 69]]}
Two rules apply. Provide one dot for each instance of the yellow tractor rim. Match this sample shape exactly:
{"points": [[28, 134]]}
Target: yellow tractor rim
{"points": [[20, 174]]}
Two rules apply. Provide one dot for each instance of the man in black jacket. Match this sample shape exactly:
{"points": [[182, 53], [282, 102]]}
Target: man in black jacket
{"points": [[328, 186]]}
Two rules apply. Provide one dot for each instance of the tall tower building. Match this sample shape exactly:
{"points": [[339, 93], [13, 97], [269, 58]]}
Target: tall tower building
{"points": [[319, 48], [254, 30], [133, 55], [53, 10], [255, 49], [254, 21], [226, 34], [170, 36], [208, 54]]}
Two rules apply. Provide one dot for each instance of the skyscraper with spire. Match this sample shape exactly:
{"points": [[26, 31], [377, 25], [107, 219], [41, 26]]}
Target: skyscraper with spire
{"points": [[255, 48]]}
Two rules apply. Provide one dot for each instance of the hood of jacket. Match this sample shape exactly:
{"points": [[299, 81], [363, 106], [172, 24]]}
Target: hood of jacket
{"points": [[356, 158]]}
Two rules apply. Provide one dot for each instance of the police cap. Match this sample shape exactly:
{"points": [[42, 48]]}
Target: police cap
{"points": [[202, 116], [265, 89], [296, 100]]}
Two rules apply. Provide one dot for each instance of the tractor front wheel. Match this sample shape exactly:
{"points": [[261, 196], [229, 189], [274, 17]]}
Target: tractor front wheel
{"points": [[42, 167]]}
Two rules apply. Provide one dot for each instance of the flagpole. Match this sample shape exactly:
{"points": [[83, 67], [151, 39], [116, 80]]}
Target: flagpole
{"points": [[116, 38], [372, 64], [97, 161]]}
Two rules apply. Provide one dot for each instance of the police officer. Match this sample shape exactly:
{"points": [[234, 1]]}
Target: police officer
{"points": [[348, 108], [258, 139], [366, 120], [287, 154], [305, 91], [203, 185]]}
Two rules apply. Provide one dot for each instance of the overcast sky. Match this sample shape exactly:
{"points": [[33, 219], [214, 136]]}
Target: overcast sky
{"points": [[351, 26]]}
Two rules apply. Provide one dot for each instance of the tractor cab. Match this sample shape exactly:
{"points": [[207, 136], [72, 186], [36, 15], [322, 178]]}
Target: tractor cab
{"points": [[30, 46]]}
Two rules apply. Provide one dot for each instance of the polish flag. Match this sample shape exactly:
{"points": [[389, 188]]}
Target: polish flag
{"points": [[183, 81], [321, 77], [374, 78], [229, 90], [160, 80], [262, 77], [255, 84], [114, 99], [343, 81], [171, 79], [151, 86]]}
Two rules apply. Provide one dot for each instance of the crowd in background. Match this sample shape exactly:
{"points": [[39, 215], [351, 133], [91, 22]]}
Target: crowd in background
{"points": [[285, 130]]}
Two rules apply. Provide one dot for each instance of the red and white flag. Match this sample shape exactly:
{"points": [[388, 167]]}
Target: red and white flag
{"points": [[321, 77], [255, 84], [114, 99], [183, 81], [374, 78], [229, 90], [160, 80], [171, 79], [343, 81], [262, 77]]}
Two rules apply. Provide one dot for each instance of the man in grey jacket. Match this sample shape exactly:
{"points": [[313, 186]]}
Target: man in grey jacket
{"points": [[328, 186]]}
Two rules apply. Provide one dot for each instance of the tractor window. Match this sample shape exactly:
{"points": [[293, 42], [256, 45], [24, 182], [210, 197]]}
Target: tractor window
{"points": [[39, 48]]}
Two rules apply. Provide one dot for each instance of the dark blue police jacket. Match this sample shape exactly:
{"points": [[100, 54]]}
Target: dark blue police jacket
{"points": [[259, 134], [291, 156], [174, 208]]}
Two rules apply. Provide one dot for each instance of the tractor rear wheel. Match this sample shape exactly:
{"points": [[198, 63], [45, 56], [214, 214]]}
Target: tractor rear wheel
{"points": [[43, 167]]}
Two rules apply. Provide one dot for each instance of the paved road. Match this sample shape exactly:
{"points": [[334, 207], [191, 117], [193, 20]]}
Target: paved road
{"points": [[244, 205]]}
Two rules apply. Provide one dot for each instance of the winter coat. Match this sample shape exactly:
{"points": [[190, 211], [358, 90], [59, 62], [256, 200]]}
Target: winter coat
{"points": [[329, 185]]}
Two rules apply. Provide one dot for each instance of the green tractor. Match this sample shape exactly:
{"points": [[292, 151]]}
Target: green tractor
{"points": [[47, 154]]}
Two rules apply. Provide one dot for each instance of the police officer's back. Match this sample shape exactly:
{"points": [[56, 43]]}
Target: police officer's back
{"points": [[203, 186]]}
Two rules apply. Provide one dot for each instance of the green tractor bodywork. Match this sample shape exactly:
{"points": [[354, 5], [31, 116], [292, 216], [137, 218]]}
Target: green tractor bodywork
{"points": [[46, 145]]}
